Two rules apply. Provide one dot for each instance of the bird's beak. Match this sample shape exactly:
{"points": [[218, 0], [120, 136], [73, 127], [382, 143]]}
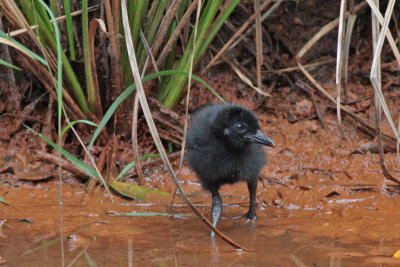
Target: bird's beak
{"points": [[260, 138]]}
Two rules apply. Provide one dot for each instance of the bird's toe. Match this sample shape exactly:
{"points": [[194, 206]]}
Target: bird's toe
{"points": [[251, 216]]}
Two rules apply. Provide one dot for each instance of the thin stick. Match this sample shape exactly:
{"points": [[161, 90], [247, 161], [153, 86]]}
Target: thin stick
{"points": [[134, 139], [306, 66], [60, 18], [263, 17], [382, 160]]}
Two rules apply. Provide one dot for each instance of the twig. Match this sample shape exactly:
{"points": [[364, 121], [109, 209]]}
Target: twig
{"points": [[135, 145], [306, 66], [381, 159], [54, 159]]}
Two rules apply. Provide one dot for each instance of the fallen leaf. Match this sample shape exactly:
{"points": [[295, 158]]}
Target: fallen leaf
{"points": [[135, 191]]}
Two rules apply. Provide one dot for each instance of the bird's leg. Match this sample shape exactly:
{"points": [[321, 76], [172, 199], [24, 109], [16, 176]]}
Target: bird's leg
{"points": [[251, 214], [216, 209], [252, 186]]}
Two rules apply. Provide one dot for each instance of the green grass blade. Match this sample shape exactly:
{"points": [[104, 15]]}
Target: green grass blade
{"points": [[3, 201], [90, 261], [150, 31], [34, 55], [210, 36], [53, 7], [78, 163], [176, 84], [127, 167], [51, 42], [44, 245], [70, 29], [132, 87], [130, 165], [54, 240], [72, 123], [5, 63], [86, 56], [138, 9]]}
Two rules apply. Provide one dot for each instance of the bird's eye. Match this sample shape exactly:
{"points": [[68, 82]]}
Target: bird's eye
{"points": [[240, 126]]}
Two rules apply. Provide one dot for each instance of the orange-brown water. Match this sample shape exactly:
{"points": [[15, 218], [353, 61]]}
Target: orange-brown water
{"points": [[332, 212]]}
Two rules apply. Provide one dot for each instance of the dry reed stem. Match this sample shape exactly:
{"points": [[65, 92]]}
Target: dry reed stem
{"points": [[349, 32], [345, 109], [58, 19], [375, 77], [324, 30], [263, 17], [306, 66], [153, 129], [339, 60], [163, 30], [389, 36], [236, 35], [374, 74], [114, 51], [258, 43], [135, 145], [184, 21], [91, 36]]}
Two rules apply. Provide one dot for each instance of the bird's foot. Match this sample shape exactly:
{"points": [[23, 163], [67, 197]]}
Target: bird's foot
{"points": [[251, 216]]}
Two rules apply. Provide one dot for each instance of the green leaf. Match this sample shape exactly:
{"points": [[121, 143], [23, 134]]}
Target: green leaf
{"points": [[5, 63], [127, 167], [77, 162], [3, 201], [34, 55], [66, 128], [135, 191], [175, 215], [130, 165]]}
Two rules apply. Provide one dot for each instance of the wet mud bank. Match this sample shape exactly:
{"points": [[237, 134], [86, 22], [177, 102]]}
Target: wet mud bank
{"points": [[320, 202]]}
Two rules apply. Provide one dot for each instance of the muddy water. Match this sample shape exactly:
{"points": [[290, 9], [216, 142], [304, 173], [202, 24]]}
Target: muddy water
{"points": [[327, 209]]}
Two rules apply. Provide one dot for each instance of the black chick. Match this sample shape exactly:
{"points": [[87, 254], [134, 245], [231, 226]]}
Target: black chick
{"points": [[224, 147]]}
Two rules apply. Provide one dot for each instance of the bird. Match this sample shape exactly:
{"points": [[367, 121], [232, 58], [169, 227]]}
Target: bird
{"points": [[224, 146]]}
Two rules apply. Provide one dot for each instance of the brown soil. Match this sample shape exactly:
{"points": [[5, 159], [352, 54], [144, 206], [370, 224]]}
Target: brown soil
{"points": [[328, 205], [322, 199]]}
